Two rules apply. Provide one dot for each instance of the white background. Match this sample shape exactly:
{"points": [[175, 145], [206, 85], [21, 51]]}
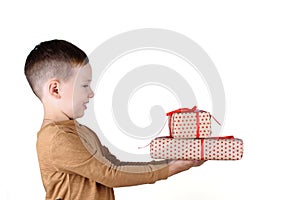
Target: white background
{"points": [[255, 46]]}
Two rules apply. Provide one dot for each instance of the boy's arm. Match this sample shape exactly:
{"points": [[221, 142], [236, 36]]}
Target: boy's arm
{"points": [[68, 154], [113, 159], [175, 166]]}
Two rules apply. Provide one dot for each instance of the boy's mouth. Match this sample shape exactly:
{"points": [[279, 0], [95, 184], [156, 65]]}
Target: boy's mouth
{"points": [[85, 105]]}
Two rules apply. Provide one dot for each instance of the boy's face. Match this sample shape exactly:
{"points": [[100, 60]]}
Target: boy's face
{"points": [[76, 92]]}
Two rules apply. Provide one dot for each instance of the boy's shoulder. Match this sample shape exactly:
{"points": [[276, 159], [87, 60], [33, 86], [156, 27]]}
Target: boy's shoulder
{"points": [[54, 128], [69, 134]]}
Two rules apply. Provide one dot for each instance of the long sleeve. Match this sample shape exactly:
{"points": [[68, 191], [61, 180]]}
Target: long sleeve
{"points": [[77, 152], [113, 159]]}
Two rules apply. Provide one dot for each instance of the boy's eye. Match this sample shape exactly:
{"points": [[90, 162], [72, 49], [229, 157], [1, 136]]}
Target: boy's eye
{"points": [[85, 85]]}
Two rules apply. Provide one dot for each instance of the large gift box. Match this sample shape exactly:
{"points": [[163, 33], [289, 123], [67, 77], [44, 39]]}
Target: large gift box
{"points": [[189, 123], [213, 148]]}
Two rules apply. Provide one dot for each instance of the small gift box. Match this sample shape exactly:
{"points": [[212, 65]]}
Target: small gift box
{"points": [[189, 123], [213, 148]]}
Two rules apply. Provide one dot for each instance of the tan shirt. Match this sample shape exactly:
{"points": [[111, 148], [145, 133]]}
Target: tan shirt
{"points": [[76, 166]]}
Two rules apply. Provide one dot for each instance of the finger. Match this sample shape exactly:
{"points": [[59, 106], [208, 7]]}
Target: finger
{"points": [[198, 162]]}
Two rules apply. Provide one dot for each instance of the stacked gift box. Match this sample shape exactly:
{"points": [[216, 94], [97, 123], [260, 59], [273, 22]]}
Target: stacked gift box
{"points": [[190, 139]]}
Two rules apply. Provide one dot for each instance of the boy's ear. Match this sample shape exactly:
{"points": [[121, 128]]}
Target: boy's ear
{"points": [[53, 88]]}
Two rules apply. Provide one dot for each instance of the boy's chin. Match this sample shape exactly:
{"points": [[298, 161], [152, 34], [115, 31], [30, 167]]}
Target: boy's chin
{"points": [[78, 115]]}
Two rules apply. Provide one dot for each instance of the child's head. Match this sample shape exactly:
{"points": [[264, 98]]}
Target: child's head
{"points": [[60, 75]]}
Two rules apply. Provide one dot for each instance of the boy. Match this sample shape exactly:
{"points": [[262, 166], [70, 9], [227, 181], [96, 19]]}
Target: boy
{"points": [[74, 164]]}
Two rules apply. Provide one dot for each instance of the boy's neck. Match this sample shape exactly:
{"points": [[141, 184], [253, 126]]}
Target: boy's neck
{"points": [[53, 115], [48, 119]]}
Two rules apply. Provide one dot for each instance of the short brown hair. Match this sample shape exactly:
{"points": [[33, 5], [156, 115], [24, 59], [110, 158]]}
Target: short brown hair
{"points": [[52, 59]]}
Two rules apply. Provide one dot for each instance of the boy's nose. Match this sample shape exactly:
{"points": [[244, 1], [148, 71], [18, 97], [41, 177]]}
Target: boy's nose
{"points": [[91, 95]]}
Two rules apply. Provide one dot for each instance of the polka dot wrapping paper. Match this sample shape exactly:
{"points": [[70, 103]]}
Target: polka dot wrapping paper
{"points": [[190, 123], [214, 148]]}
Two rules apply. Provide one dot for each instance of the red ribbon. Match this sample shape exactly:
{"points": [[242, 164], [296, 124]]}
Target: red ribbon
{"points": [[184, 110], [221, 137], [181, 110], [202, 149], [216, 120], [198, 126]]}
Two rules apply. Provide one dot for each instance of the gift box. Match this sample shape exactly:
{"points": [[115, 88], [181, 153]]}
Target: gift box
{"points": [[213, 148], [189, 123]]}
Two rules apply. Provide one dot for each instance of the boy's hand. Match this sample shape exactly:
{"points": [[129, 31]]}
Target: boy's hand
{"points": [[177, 166]]}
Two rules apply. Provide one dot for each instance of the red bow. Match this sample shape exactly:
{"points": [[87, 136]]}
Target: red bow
{"points": [[181, 110]]}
